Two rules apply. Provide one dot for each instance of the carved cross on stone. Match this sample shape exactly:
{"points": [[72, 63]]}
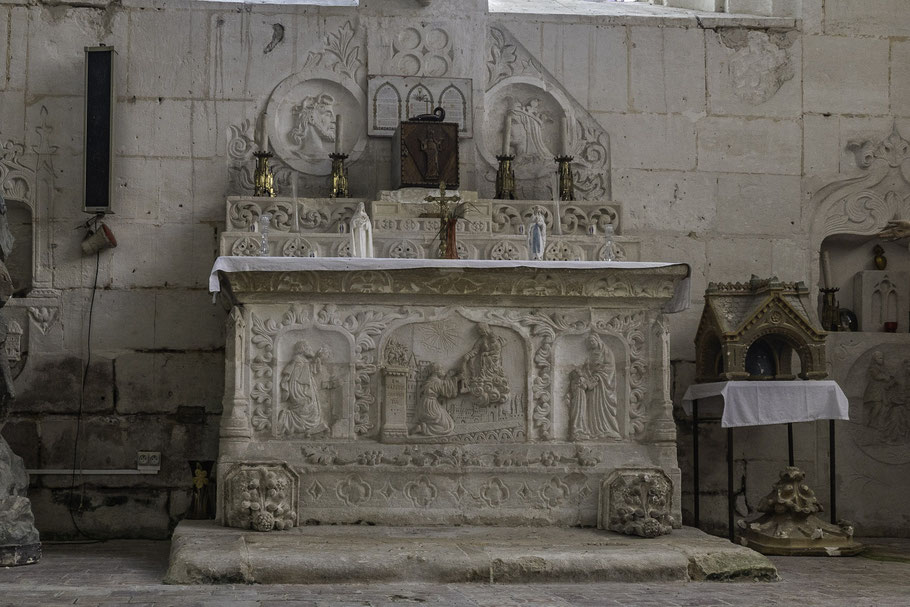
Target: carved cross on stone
{"points": [[448, 218]]}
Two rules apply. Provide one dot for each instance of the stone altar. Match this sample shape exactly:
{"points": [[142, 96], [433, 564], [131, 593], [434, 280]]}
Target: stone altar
{"points": [[414, 391]]}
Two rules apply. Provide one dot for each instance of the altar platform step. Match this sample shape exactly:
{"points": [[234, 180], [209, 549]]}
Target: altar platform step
{"points": [[203, 552]]}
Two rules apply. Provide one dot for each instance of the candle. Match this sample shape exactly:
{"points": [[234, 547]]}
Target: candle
{"points": [[826, 270], [563, 136], [338, 133], [264, 140], [506, 134], [294, 187], [557, 222]]}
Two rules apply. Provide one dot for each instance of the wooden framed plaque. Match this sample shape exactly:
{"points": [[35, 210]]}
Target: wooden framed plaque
{"points": [[427, 154]]}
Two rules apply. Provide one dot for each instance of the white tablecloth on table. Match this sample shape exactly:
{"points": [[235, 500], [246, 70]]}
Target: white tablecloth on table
{"points": [[229, 264], [759, 403]]}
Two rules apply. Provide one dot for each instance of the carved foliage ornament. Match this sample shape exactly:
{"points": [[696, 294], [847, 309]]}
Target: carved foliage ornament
{"points": [[760, 62], [261, 497], [637, 502]]}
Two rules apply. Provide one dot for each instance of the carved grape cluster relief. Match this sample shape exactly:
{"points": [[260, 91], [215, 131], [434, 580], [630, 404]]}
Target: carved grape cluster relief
{"points": [[637, 502], [261, 497]]}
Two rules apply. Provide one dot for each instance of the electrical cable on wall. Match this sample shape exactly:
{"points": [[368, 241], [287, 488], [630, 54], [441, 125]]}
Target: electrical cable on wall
{"points": [[88, 361]]}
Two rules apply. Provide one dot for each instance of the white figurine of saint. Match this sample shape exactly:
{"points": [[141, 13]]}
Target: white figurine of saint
{"points": [[361, 233], [537, 236]]}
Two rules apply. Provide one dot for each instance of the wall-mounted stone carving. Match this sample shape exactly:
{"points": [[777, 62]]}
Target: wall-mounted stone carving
{"points": [[392, 99], [637, 502], [300, 119], [456, 380], [865, 203], [759, 62], [593, 406], [407, 47], [519, 87], [261, 497]]}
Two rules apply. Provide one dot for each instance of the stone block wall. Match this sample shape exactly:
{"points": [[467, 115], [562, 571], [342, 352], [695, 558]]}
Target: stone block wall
{"points": [[721, 129]]}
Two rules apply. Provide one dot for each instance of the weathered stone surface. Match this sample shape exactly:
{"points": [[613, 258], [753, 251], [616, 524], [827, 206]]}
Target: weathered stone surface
{"points": [[845, 75], [879, 18], [160, 382], [663, 79], [753, 146], [203, 553]]}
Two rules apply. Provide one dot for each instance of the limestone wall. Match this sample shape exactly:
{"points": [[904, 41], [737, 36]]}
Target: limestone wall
{"points": [[719, 137]]}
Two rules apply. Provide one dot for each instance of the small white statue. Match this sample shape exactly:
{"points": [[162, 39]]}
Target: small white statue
{"points": [[361, 233], [537, 236]]}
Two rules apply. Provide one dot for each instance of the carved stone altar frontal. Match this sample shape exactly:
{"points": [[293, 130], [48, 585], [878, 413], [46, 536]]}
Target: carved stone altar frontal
{"points": [[394, 99], [401, 393]]}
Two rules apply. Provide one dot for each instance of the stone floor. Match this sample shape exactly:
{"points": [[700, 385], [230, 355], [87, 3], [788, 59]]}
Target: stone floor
{"points": [[129, 572]]}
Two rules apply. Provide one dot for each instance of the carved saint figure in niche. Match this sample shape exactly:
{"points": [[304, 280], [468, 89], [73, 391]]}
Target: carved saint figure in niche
{"points": [[529, 140], [592, 394], [314, 127], [299, 385], [361, 233], [482, 373], [878, 383], [431, 417], [431, 146], [537, 236]]}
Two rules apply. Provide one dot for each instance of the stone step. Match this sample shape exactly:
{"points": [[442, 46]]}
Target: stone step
{"points": [[203, 552]]}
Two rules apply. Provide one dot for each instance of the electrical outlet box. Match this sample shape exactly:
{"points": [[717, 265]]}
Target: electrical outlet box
{"points": [[148, 460]]}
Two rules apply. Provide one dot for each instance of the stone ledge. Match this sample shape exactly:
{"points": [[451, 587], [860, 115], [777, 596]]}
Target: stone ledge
{"points": [[202, 552]]}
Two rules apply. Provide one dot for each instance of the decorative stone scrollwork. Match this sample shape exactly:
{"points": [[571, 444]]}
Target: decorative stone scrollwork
{"points": [[298, 247], [405, 249], [354, 491], [637, 502], [421, 492], [562, 250], [505, 249], [261, 497], [248, 246]]}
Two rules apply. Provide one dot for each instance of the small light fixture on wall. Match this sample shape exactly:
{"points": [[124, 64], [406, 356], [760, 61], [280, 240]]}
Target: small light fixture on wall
{"points": [[99, 236]]}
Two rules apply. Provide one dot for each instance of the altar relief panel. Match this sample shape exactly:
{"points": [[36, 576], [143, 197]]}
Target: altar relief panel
{"points": [[418, 395]]}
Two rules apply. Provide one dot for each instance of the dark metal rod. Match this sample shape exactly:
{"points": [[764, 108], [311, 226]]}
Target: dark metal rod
{"points": [[697, 488], [790, 443], [832, 465], [730, 498]]}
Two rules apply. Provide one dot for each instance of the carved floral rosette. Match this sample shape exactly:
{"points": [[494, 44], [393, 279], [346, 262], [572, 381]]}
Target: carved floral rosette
{"points": [[261, 497], [637, 502]]}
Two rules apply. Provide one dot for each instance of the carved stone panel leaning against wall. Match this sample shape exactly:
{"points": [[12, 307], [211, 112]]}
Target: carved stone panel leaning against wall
{"points": [[411, 391]]}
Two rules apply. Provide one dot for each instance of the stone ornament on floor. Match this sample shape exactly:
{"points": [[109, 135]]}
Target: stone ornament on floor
{"points": [[788, 525]]}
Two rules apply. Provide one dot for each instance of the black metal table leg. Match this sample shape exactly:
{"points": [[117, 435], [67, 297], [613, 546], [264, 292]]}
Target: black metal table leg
{"points": [[697, 488], [832, 465], [790, 444], [730, 497]]}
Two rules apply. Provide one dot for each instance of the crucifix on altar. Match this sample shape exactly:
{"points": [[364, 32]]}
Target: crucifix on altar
{"points": [[450, 210]]}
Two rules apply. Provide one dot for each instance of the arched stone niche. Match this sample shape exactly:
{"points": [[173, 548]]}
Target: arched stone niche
{"points": [[849, 214]]}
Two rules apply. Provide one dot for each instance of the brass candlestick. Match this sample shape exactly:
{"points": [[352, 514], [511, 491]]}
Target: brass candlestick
{"points": [[339, 178], [505, 178], [566, 186], [830, 310], [263, 179]]}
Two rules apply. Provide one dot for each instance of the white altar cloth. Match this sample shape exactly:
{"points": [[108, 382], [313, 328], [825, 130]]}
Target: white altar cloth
{"points": [[229, 264], [759, 403]]}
